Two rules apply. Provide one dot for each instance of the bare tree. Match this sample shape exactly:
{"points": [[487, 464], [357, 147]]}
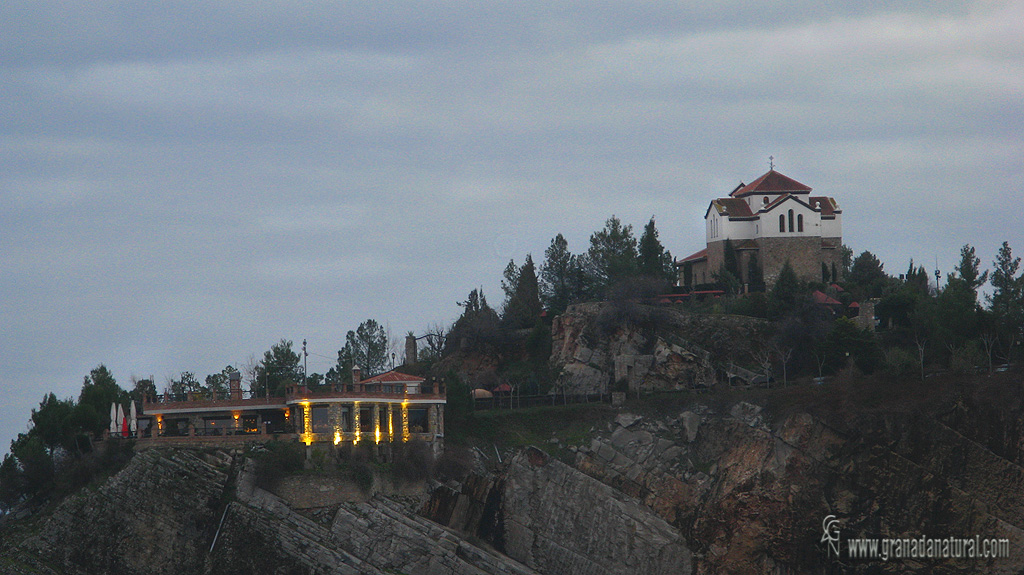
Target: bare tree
{"points": [[921, 343], [988, 342], [784, 353], [763, 356]]}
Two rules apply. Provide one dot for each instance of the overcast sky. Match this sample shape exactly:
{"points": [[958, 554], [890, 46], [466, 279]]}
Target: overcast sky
{"points": [[183, 185]]}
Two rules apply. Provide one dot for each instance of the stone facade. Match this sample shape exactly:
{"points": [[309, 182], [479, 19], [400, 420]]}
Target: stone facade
{"points": [[805, 255]]}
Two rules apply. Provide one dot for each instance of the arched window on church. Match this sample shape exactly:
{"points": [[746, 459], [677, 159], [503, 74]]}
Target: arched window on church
{"points": [[765, 201], [800, 222], [782, 223], [790, 220]]}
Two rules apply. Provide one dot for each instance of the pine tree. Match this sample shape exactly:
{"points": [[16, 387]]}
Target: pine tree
{"points": [[653, 260], [523, 306], [612, 256], [968, 270], [556, 276]]}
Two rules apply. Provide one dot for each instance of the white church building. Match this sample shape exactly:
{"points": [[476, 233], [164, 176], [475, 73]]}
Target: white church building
{"points": [[772, 220]]}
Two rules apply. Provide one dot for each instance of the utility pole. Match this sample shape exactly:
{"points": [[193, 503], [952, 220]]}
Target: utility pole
{"points": [[305, 356]]}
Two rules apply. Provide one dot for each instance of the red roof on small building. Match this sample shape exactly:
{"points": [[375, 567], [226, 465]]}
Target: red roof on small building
{"points": [[822, 298], [696, 256], [772, 183], [393, 377]]}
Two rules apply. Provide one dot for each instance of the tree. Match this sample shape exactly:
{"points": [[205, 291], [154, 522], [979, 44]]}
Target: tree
{"points": [[729, 259], [99, 390], [728, 275], [434, 340], [846, 341], [785, 293], [185, 384], [219, 383], [612, 255], [957, 314], [868, 275], [968, 270], [52, 422], [523, 308], [278, 369], [845, 260], [1007, 299], [35, 463], [556, 276], [366, 347], [478, 326], [142, 389], [653, 260], [510, 282]]}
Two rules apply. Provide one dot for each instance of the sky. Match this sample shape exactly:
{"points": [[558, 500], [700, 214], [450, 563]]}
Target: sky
{"points": [[184, 184]]}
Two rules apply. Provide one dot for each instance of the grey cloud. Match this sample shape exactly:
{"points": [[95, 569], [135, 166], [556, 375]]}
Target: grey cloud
{"points": [[183, 186]]}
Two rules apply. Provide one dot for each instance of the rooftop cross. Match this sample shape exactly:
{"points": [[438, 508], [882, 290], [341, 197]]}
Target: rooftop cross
{"points": [[771, 162]]}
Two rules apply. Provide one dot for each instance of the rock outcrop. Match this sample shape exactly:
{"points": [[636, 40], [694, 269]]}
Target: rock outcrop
{"points": [[594, 348]]}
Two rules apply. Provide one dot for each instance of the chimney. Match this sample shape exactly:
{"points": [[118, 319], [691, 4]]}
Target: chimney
{"points": [[410, 349], [235, 384], [357, 374]]}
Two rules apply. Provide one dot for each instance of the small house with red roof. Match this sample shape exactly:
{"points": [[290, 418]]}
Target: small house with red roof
{"points": [[770, 221]]}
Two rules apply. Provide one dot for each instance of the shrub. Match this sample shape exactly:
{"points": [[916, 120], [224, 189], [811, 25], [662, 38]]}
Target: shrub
{"points": [[414, 461], [963, 359], [277, 460], [899, 362], [362, 475], [455, 463]]}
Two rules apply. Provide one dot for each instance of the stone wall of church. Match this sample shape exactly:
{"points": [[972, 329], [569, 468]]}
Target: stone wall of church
{"points": [[804, 254]]}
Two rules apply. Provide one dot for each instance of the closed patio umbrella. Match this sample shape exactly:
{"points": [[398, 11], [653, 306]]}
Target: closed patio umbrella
{"points": [[121, 428]]}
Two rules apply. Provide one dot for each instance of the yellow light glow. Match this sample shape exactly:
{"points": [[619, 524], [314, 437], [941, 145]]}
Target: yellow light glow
{"points": [[405, 421], [391, 423], [307, 423], [237, 415], [337, 437], [376, 433], [355, 421]]}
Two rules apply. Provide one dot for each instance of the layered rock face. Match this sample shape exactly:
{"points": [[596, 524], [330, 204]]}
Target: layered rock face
{"points": [[597, 345], [153, 517], [558, 520], [178, 511], [702, 486], [751, 496]]}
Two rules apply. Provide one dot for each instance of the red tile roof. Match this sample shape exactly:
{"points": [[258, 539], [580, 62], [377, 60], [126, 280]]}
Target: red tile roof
{"points": [[703, 254], [823, 299], [772, 183], [825, 204], [392, 377], [735, 207]]}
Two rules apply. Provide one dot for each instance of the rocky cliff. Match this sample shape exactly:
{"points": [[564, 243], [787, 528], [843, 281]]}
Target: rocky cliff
{"points": [[597, 347], [747, 488], [707, 483]]}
